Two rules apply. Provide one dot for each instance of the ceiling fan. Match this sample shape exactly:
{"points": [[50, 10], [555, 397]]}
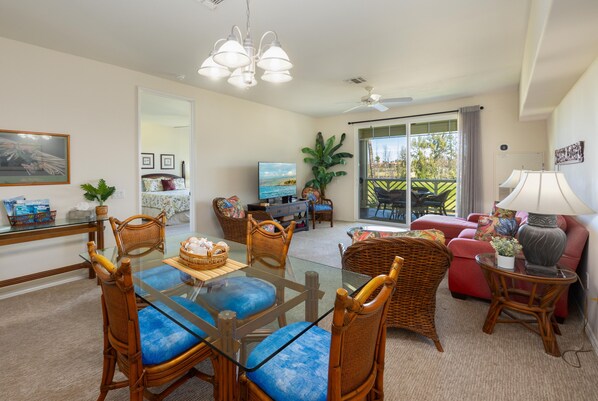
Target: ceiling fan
{"points": [[376, 101]]}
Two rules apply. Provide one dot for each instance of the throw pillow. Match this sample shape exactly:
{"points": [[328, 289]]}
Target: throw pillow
{"points": [[492, 226], [152, 184], [232, 207], [179, 183], [504, 213], [432, 234], [168, 184]]}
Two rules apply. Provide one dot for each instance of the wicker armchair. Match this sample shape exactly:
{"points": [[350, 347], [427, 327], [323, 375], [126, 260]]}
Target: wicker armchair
{"points": [[346, 364], [413, 304], [236, 229], [149, 233], [321, 209], [151, 360]]}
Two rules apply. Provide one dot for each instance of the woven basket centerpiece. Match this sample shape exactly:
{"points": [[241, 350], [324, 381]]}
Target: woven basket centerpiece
{"points": [[201, 254]]}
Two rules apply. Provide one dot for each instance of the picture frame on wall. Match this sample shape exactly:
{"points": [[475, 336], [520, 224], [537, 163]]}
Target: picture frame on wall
{"points": [[147, 161], [167, 162], [34, 158]]}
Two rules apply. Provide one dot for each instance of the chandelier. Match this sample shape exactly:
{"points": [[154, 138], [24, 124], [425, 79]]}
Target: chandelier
{"points": [[240, 56]]}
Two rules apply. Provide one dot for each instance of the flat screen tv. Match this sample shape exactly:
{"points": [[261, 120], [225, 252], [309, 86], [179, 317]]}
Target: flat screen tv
{"points": [[277, 180]]}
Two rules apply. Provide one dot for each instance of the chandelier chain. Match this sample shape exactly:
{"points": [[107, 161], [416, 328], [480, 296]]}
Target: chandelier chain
{"points": [[248, 26]]}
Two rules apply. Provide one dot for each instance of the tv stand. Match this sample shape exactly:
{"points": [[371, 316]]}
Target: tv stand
{"points": [[284, 213]]}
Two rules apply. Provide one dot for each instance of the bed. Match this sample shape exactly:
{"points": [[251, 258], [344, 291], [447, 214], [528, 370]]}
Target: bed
{"points": [[175, 202]]}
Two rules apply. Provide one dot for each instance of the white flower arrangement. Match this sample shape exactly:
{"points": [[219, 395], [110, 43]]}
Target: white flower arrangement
{"points": [[506, 246]]}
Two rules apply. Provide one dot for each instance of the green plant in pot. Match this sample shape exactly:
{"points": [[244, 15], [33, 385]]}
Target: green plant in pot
{"points": [[506, 249], [323, 157], [99, 194]]}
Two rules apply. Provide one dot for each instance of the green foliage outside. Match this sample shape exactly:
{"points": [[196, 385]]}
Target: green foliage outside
{"points": [[100, 193]]}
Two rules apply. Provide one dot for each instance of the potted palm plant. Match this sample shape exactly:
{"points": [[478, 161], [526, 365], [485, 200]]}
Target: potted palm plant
{"points": [[506, 249], [99, 194]]}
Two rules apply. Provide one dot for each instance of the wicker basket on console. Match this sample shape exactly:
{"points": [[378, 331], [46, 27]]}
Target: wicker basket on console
{"points": [[199, 262]]}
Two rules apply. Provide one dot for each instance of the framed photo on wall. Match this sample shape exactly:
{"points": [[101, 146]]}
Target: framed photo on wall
{"points": [[34, 158], [147, 160], [166, 162]]}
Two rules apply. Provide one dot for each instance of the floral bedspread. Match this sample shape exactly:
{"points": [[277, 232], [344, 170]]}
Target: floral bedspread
{"points": [[170, 201]]}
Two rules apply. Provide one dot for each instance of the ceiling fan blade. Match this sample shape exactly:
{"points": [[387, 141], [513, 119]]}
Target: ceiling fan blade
{"points": [[397, 100], [379, 107], [353, 108]]}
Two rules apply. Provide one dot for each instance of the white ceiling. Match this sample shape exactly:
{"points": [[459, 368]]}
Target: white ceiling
{"points": [[431, 50]]}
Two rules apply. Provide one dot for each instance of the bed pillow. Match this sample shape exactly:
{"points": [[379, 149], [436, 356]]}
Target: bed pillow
{"points": [[179, 183], [152, 184], [168, 184], [492, 226]]}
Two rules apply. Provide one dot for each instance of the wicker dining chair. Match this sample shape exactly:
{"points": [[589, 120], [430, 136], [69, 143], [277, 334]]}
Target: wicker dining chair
{"points": [[346, 363], [131, 235], [150, 349], [235, 229], [413, 306]]}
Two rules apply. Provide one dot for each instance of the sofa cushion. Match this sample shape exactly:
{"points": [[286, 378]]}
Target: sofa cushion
{"points": [[432, 234], [492, 226], [231, 207], [451, 226], [467, 233]]}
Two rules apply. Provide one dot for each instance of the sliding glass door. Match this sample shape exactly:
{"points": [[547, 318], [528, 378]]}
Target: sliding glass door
{"points": [[408, 169]]}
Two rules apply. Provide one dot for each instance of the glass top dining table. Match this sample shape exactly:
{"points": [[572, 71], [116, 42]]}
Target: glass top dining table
{"points": [[305, 290]]}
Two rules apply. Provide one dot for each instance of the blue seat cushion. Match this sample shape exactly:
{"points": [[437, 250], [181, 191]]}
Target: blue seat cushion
{"points": [[322, 208], [161, 338], [160, 278], [300, 371], [245, 296]]}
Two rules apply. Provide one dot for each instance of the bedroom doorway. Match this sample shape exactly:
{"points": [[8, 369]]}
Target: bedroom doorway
{"points": [[165, 160]]}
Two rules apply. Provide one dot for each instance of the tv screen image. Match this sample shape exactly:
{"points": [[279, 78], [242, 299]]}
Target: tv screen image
{"points": [[277, 180]]}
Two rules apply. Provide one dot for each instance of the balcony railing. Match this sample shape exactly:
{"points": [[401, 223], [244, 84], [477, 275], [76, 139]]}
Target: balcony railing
{"points": [[435, 186]]}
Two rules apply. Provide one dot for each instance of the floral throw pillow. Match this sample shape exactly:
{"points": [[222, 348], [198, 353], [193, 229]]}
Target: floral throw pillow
{"points": [[231, 207], [152, 184], [492, 226], [432, 234], [504, 213]]}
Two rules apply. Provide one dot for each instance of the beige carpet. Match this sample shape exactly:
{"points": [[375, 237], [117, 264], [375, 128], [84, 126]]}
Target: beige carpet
{"points": [[50, 348]]}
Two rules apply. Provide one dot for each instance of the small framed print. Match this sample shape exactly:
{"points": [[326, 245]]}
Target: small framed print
{"points": [[166, 162], [147, 160]]}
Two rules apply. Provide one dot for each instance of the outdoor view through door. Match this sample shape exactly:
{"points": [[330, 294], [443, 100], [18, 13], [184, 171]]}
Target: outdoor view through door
{"points": [[407, 170]]}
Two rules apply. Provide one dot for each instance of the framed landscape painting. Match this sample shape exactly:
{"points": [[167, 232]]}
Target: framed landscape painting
{"points": [[34, 158]]}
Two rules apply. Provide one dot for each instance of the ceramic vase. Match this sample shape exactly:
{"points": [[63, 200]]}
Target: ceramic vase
{"points": [[506, 262]]}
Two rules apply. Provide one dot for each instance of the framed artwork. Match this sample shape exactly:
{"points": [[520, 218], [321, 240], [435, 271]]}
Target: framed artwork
{"points": [[34, 158], [147, 160], [569, 154], [166, 162]]}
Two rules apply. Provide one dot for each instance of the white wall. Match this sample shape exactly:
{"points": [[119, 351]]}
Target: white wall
{"points": [[575, 119], [499, 125], [160, 139], [96, 104]]}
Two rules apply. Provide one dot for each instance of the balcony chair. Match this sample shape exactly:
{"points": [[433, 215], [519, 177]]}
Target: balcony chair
{"points": [[232, 217], [383, 198], [150, 349], [436, 202], [346, 363], [413, 305], [321, 209]]}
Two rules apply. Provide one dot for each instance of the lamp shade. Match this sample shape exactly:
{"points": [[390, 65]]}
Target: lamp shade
{"points": [[275, 59], [209, 68], [232, 54], [238, 79], [276, 76], [513, 179], [544, 192]]}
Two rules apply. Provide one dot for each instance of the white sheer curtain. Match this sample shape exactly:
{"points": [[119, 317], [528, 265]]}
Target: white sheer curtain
{"points": [[470, 198]]}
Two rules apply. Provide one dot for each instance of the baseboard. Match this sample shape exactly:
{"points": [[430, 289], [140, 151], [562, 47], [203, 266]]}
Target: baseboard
{"points": [[35, 285]]}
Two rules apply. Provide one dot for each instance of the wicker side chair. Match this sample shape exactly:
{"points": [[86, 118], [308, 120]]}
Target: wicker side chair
{"points": [[157, 357], [344, 364], [321, 209], [148, 233], [235, 229], [413, 305]]}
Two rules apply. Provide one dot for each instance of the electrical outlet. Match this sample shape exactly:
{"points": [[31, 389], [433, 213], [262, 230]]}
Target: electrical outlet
{"points": [[119, 194]]}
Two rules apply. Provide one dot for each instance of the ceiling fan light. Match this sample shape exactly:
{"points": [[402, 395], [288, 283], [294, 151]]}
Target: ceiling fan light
{"points": [[209, 68], [275, 59], [239, 79], [276, 76], [232, 54]]}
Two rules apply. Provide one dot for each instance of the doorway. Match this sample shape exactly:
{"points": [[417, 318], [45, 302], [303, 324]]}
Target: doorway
{"points": [[165, 132]]}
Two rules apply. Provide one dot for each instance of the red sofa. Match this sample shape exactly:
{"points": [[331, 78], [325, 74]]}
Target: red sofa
{"points": [[465, 277]]}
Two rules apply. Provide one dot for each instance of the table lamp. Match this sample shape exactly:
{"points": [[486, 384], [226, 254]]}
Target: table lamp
{"points": [[512, 181], [543, 194]]}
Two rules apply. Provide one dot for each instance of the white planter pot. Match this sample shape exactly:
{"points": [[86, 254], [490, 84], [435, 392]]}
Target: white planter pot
{"points": [[506, 262]]}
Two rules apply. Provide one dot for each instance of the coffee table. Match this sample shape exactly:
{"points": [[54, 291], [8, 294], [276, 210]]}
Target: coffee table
{"points": [[379, 229], [524, 292]]}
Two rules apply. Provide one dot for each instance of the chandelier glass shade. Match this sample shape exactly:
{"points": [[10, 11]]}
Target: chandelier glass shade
{"points": [[237, 54]]}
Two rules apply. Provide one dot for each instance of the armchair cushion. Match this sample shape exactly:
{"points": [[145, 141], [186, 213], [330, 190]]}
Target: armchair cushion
{"points": [[321, 207], [161, 338], [231, 207], [303, 364]]}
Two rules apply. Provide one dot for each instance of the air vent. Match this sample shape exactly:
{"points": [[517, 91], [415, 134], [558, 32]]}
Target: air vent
{"points": [[356, 80], [211, 4]]}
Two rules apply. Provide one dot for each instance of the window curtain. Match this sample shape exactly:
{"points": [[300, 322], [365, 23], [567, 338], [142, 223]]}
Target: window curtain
{"points": [[470, 198]]}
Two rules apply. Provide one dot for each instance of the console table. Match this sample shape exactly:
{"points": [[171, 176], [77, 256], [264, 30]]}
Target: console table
{"points": [[59, 228], [299, 210]]}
